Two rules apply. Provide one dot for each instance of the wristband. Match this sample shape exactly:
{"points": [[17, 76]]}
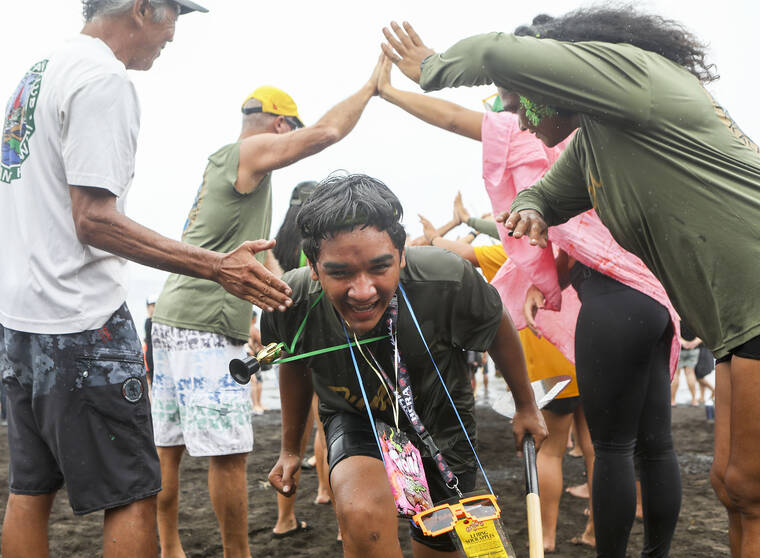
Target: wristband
{"points": [[474, 233]]}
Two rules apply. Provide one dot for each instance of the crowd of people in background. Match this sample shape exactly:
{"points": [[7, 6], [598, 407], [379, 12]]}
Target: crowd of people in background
{"points": [[602, 153]]}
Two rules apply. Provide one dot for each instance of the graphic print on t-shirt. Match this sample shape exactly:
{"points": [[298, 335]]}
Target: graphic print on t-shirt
{"points": [[19, 123]]}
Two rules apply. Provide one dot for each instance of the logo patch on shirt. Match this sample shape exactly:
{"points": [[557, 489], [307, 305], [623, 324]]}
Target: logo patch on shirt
{"points": [[19, 123]]}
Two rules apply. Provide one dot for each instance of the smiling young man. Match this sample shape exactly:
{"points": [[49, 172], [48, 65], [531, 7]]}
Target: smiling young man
{"points": [[354, 241]]}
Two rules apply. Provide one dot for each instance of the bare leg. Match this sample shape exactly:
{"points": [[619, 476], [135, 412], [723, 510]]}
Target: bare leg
{"points": [[691, 382], [742, 475], [674, 387], [324, 493], [549, 463], [130, 530], [722, 451], [229, 497], [704, 385], [366, 511], [256, 388], [25, 528], [583, 439], [286, 514], [168, 502]]}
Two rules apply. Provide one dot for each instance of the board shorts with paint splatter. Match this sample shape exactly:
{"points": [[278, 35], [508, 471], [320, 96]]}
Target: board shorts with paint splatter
{"points": [[196, 403], [78, 413]]}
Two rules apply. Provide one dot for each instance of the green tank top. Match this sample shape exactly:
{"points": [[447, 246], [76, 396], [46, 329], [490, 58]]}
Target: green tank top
{"points": [[221, 219]]}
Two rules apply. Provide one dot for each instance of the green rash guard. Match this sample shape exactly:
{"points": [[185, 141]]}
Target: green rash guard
{"points": [[456, 310], [666, 169], [221, 219]]}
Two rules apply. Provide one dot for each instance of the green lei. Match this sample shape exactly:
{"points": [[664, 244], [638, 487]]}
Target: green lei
{"points": [[534, 112]]}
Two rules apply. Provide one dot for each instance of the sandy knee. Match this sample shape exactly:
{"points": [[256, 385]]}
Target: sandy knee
{"points": [[365, 526]]}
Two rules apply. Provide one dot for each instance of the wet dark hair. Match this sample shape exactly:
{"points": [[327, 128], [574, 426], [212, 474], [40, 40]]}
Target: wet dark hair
{"points": [[288, 247], [344, 202], [624, 24]]}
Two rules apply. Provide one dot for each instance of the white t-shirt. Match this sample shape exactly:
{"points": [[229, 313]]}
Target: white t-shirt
{"points": [[73, 120]]}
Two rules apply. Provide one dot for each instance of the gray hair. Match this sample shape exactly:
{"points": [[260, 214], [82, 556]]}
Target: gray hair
{"points": [[96, 8]]}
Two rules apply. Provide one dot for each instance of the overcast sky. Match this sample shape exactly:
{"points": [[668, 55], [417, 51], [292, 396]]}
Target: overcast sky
{"points": [[321, 52]]}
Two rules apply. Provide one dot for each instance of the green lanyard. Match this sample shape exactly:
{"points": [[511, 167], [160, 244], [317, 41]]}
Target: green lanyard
{"points": [[318, 351]]}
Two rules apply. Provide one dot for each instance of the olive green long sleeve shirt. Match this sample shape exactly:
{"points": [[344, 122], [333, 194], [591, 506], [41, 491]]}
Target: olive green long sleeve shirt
{"points": [[669, 173]]}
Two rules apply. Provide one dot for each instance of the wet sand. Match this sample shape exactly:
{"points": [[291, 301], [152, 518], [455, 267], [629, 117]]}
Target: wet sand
{"points": [[701, 532]]}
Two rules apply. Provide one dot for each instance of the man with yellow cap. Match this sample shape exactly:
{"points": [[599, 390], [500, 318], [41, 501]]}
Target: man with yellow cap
{"points": [[198, 328]]}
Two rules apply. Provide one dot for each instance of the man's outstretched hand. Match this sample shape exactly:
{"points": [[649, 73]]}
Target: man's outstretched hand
{"points": [[405, 49], [241, 274]]}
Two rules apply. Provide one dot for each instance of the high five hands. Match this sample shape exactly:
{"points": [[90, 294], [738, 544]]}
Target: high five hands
{"points": [[405, 49]]}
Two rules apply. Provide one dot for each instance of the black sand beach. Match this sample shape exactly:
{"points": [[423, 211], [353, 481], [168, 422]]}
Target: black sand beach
{"points": [[701, 532]]}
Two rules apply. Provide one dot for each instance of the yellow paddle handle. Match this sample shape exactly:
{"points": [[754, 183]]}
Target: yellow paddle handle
{"points": [[535, 530]]}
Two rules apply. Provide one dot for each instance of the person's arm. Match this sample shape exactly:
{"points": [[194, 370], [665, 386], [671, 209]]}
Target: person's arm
{"points": [[443, 114], [461, 249], [507, 354], [484, 226], [262, 153], [592, 78], [296, 391], [422, 240], [535, 299], [99, 224]]}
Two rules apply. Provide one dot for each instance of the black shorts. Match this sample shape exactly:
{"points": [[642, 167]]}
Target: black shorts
{"points": [[564, 406], [705, 364], [749, 349], [78, 413], [349, 434]]}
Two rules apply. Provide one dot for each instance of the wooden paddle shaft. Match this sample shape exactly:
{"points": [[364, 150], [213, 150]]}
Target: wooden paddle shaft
{"points": [[535, 529]]}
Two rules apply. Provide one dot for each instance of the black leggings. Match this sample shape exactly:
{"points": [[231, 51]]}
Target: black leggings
{"points": [[622, 349]]}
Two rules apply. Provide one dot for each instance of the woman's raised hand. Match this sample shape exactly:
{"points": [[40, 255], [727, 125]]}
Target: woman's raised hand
{"points": [[405, 49]]}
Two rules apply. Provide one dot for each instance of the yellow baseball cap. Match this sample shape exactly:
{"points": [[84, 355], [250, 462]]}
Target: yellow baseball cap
{"points": [[273, 101]]}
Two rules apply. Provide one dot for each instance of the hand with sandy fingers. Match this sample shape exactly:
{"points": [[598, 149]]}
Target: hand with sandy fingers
{"points": [[428, 229], [241, 274], [282, 476], [526, 222], [528, 420], [405, 49], [534, 300]]}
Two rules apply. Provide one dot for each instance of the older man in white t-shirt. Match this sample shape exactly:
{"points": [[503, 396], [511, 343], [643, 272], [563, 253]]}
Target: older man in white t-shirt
{"points": [[78, 409]]}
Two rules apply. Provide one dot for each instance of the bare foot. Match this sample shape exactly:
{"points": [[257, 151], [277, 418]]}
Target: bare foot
{"points": [[579, 491], [322, 499], [585, 540]]}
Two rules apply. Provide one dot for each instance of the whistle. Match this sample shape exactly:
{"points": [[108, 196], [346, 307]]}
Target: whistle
{"points": [[241, 370]]}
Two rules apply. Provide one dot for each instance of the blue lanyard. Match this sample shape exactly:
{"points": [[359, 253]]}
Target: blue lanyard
{"points": [[440, 377]]}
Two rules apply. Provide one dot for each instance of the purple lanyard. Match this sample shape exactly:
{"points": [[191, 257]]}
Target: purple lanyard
{"points": [[405, 399]]}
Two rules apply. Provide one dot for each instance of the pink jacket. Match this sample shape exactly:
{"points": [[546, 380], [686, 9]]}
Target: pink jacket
{"points": [[514, 160]]}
